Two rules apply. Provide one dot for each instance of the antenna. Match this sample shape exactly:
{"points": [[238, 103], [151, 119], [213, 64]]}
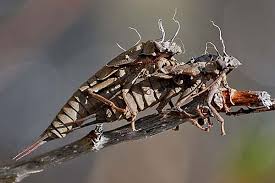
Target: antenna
{"points": [[137, 34], [212, 44], [223, 45], [178, 25], [135, 43], [161, 30]]}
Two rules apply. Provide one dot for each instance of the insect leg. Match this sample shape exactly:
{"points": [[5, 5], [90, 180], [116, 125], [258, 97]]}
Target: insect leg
{"points": [[165, 100], [126, 88], [106, 101], [196, 124], [213, 90], [226, 85], [186, 95], [133, 123], [205, 120], [210, 124], [177, 128], [217, 80], [193, 118]]}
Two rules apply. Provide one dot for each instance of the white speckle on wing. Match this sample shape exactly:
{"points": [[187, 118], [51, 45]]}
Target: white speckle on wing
{"points": [[139, 47], [218, 100], [99, 143], [264, 97]]}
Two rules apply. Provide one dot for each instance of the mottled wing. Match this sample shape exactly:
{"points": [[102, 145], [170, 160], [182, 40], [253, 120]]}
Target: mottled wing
{"points": [[127, 57]]}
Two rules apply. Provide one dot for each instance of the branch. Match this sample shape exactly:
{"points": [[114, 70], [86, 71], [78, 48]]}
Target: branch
{"points": [[148, 126], [242, 111], [248, 99]]}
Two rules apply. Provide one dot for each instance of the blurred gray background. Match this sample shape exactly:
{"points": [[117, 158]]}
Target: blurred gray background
{"points": [[48, 48]]}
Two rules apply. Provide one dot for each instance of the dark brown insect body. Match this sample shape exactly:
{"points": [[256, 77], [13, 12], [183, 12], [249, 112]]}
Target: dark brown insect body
{"points": [[82, 104], [123, 71], [177, 79], [143, 95], [143, 76]]}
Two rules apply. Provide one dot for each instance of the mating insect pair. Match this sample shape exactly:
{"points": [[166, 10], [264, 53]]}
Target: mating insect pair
{"points": [[139, 78]]}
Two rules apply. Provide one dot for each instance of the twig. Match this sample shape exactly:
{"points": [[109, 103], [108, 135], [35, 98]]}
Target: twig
{"points": [[148, 126], [242, 111]]}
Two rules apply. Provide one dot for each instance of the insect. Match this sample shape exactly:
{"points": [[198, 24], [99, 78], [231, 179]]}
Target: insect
{"points": [[159, 90], [123, 71], [203, 69], [143, 95], [201, 73], [181, 79], [174, 76], [187, 80]]}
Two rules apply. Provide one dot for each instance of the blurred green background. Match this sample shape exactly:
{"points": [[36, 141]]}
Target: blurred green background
{"points": [[48, 48]]}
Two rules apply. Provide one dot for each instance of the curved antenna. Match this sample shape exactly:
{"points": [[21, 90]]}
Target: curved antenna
{"points": [[137, 34], [178, 25], [135, 43], [223, 45], [120, 47], [183, 47], [212, 44], [161, 30]]}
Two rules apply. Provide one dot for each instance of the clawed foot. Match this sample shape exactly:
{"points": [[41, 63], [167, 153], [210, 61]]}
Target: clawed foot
{"points": [[134, 128], [231, 92], [177, 128], [222, 130], [196, 123], [133, 124]]}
